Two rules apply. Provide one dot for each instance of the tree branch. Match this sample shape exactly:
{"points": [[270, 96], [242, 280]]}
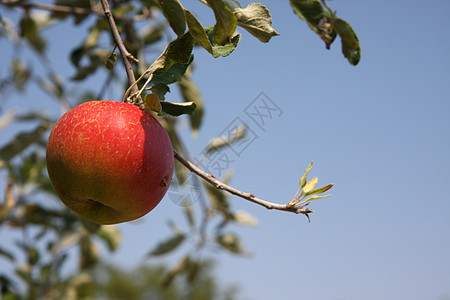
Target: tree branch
{"points": [[250, 197], [126, 56]]}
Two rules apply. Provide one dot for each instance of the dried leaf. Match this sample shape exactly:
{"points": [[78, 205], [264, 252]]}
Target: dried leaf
{"points": [[256, 19]]}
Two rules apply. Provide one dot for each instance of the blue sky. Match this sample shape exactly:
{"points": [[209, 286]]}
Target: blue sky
{"points": [[379, 131]]}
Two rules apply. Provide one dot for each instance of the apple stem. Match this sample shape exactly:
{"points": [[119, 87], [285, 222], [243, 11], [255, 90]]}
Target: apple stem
{"points": [[248, 196]]}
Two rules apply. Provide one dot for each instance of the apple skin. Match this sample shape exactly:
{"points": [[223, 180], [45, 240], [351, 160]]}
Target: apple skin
{"points": [[110, 162]]}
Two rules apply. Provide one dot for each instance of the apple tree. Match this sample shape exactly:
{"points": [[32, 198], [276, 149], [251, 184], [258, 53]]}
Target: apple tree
{"points": [[118, 37]]}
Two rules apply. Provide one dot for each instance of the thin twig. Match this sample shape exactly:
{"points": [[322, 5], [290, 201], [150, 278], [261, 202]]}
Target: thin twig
{"points": [[250, 197], [126, 56], [69, 9]]}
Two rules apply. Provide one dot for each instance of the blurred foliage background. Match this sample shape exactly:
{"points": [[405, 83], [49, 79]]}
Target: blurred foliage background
{"points": [[48, 234]]}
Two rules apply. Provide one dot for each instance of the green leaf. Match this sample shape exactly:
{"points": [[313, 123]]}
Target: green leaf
{"points": [[256, 19], [168, 245], [315, 197], [152, 34], [20, 73], [90, 226], [173, 74], [85, 71], [72, 3], [219, 198], [76, 55], [177, 109], [226, 22], [7, 254], [198, 32], [182, 266], [189, 213], [22, 141], [89, 43], [53, 85], [111, 61], [89, 253], [190, 92], [305, 175], [319, 190], [222, 50], [160, 89], [179, 51], [29, 29], [317, 18], [46, 272], [32, 255], [232, 4], [174, 13], [231, 243], [350, 43], [111, 236]]}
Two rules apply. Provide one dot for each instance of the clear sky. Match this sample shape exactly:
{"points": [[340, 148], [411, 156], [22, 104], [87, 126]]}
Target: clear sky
{"points": [[379, 131]]}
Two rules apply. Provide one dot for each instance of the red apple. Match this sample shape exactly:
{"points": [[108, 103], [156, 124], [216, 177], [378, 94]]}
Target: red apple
{"points": [[110, 162]]}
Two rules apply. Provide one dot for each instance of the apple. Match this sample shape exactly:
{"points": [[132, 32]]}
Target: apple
{"points": [[110, 162]]}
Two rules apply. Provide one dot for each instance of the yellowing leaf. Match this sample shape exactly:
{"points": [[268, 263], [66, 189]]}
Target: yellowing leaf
{"points": [[310, 185], [226, 21], [151, 101]]}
